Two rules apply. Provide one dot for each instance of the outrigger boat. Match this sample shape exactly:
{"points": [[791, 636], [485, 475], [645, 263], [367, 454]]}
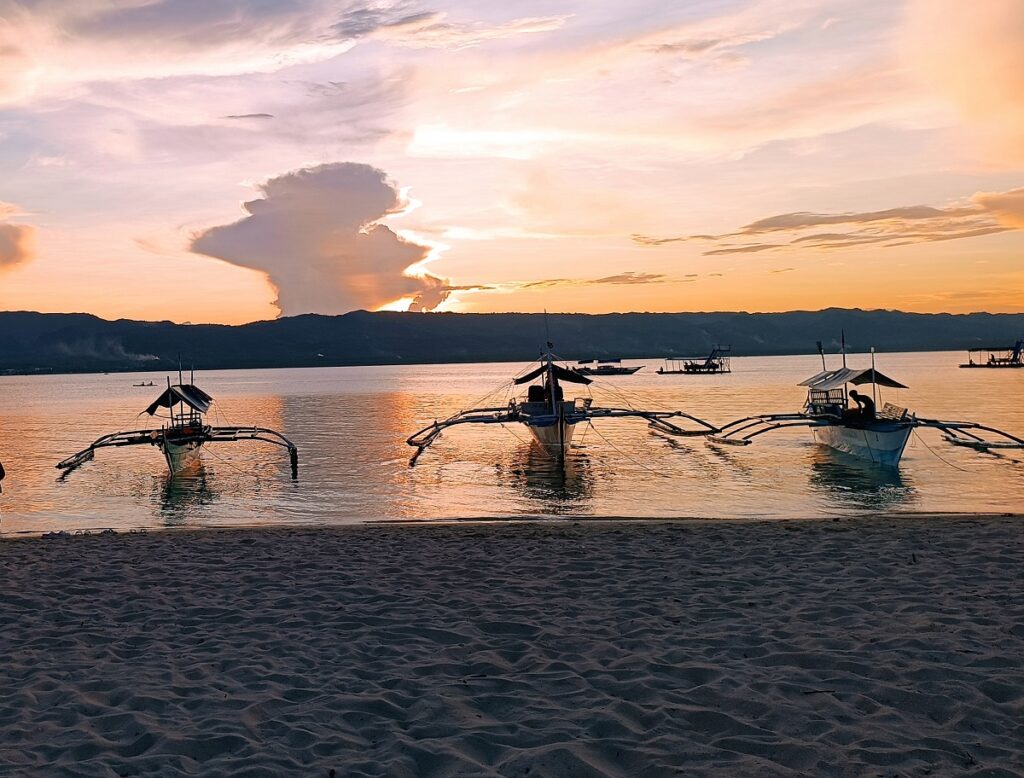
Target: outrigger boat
{"points": [[605, 367], [186, 433], [718, 361], [879, 438], [997, 356], [550, 418]]}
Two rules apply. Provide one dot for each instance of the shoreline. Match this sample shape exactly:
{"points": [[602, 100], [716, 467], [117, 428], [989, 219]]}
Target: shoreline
{"points": [[586, 648], [526, 521]]}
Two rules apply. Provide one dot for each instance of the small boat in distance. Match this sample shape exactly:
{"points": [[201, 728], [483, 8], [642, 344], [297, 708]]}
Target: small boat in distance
{"points": [[186, 433], [997, 356], [549, 417], [145, 384], [718, 361], [880, 437], [605, 367]]}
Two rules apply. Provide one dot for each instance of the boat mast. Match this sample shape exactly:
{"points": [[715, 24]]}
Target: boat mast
{"points": [[874, 384], [846, 387], [170, 400]]}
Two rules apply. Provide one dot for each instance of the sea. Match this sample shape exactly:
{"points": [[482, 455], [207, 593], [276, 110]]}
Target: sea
{"points": [[351, 424]]}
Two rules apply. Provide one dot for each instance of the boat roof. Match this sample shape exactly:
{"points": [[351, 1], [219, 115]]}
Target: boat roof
{"points": [[833, 379], [560, 373], [189, 394], [1015, 346]]}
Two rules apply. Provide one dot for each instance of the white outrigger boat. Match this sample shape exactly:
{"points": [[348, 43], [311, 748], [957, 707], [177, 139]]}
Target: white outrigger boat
{"points": [[550, 418], [186, 433], [880, 438]]}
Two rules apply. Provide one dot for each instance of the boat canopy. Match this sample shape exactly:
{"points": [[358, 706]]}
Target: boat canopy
{"points": [[189, 394], [833, 379], [560, 373]]}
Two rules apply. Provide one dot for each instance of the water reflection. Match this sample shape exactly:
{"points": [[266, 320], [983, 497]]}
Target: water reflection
{"points": [[553, 486], [350, 425], [848, 482], [180, 496]]}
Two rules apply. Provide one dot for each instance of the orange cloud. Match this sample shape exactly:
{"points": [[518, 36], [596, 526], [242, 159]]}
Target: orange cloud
{"points": [[988, 213], [17, 241], [1008, 207]]}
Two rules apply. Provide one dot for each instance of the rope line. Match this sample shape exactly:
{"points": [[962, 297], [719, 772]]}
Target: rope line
{"points": [[937, 456], [627, 456]]}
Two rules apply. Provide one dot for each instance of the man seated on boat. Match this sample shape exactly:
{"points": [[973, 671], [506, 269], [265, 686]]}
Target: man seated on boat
{"points": [[865, 410]]}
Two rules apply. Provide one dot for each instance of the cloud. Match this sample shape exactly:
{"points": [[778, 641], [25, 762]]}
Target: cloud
{"points": [[628, 278], [55, 46], [17, 241], [985, 213], [431, 29], [1008, 207], [250, 116], [971, 53], [318, 236], [796, 221]]}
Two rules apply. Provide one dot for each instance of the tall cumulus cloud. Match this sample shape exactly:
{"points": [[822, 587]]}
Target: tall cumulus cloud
{"points": [[17, 241], [317, 235]]}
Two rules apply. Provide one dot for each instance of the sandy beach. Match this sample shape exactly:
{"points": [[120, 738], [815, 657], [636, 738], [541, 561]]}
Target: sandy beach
{"points": [[867, 647]]}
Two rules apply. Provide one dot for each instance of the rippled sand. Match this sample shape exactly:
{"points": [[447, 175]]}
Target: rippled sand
{"points": [[862, 647]]}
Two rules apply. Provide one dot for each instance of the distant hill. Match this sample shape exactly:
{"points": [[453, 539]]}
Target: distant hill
{"points": [[38, 342]]}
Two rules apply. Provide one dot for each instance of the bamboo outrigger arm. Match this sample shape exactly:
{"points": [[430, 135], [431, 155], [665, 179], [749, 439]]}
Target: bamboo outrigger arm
{"points": [[741, 432], [966, 433], [155, 437], [421, 440], [657, 419], [116, 439]]}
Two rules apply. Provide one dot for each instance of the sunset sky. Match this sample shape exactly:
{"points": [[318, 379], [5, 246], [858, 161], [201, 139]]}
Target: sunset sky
{"points": [[233, 160]]}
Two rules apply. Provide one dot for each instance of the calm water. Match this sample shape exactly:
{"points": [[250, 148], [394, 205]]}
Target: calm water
{"points": [[350, 425]]}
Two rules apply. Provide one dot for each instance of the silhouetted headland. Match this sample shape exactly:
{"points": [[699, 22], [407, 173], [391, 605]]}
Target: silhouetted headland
{"points": [[76, 342]]}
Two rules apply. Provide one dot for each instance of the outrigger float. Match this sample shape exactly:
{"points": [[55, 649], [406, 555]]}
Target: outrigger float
{"points": [[549, 417], [186, 433], [880, 437]]}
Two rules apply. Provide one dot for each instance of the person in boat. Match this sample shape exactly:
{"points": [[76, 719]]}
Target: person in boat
{"points": [[865, 410]]}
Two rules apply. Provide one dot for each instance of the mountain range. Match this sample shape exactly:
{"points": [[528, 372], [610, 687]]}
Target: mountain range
{"points": [[77, 342]]}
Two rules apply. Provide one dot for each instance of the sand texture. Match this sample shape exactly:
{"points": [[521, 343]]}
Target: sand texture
{"points": [[869, 647]]}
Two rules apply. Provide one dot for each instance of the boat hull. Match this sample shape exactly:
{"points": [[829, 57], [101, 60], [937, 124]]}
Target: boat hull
{"points": [[181, 455], [606, 371], [882, 446], [995, 366], [555, 436]]}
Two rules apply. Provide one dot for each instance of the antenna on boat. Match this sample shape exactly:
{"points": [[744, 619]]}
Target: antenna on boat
{"points": [[821, 350], [180, 379], [874, 383], [843, 349], [547, 333]]}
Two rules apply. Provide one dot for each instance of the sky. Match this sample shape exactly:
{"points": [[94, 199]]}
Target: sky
{"points": [[238, 160]]}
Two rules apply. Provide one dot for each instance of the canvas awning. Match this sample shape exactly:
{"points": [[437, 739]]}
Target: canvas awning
{"points": [[833, 379], [560, 373], [189, 394]]}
